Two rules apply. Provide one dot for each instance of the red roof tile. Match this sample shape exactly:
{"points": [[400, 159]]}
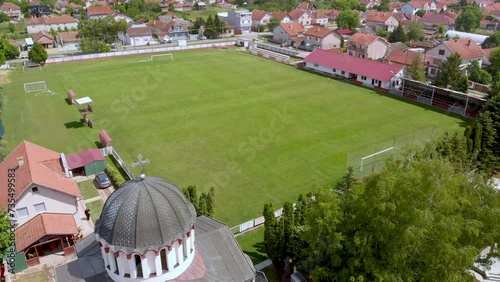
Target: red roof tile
{"points": [[279, 15], [466, 47], [487, 52], [345, 31], [332, 12], [64, 37], [258, 15], [432, 18], [379, 17], [62, 19], [33, 171], [320, 32], [139, 31], [292, 29], [296, 14], [362, 38], [7, 6], [101, 10], [43, 38], [351, 64], [318, 15], [402, 57], [42, 225]]}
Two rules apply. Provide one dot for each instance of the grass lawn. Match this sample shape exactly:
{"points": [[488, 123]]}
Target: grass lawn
{"points": [[42, 275], [271, 275], [192, 15], [256, 130], [19, 30], [253, 244], [95, 209], [88, 189]]}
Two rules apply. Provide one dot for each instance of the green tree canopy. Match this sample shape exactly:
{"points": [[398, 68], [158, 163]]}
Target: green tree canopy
{"points": [[477, 74], [348, 20], [398, 35], [470, 18], [37, 54], [415, 31], [492, 41], [495, 60], [450, 73], [416, 70], [10, 51], [96, 34]]}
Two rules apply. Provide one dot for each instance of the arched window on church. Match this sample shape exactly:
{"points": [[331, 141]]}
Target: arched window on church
{"points": [[163, 258], [138, 265]]}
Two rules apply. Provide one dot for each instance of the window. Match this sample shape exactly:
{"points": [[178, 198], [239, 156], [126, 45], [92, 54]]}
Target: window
{"points": [[334, 70], [316, 65], [22, 213], [441, 52], [433, 71], [309, 38], [342, 72], [317, 39], [39, 208], [363, 77], [34, 189]]}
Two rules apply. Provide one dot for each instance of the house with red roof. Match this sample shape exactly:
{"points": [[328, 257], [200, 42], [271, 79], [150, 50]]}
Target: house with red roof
{"points": [[466, 47], [302, 17], [381, 20], [137, 35], [430, 20], [319, 18], [45, 206], [44, 39], [34, 25], [414, 6], [260, 17], [367, 46], [98, 12], [281, 16], [289, 34], [68, 41], [487, 56], [369, 73], [401, 57], [306, 6], [322, 37], [12, 10]]}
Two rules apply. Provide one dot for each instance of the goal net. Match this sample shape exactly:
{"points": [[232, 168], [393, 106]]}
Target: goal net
{"points": [[158, 58], [37, 86]]}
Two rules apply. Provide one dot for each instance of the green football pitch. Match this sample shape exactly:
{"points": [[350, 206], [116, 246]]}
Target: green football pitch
{"points": [[256, 130]]}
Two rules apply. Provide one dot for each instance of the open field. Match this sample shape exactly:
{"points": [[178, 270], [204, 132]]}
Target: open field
{"points": [[254, 129]]}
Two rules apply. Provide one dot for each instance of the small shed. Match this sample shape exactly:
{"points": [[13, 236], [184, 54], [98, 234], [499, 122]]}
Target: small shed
{"points": [[104, 138], [87, 162], [71, 97]]}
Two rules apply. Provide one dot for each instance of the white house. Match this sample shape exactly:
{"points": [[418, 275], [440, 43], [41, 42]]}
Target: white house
{"points": [[281, 16], [369, 73], [98, 12], [367, 46], [260, 17], [288, 33], [44, 203], [68, 41], [119, 16], [35, 25], [241, 20], [137, 35], [12, 10], [466, 47]]}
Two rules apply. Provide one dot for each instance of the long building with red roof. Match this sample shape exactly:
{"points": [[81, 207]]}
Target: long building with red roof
{"points": [[369, 73]]}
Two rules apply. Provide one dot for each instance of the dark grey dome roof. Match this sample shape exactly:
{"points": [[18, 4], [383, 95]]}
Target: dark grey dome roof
{"points": [[144, 213]]}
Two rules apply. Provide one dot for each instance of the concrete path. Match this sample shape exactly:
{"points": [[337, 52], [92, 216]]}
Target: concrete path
{"points": [[263, 264], [92, 199]]}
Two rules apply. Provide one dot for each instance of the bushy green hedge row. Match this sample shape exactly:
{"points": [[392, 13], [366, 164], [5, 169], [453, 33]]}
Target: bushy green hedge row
{"points": [[115, 176]]}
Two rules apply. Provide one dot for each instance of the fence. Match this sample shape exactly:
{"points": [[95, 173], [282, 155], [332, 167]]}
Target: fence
{"points": [[111, 151], [277, 49], [136, 52], [256, 222], [270, 55], [373, 158]]}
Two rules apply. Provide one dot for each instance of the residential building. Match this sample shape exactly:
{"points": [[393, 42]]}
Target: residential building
{"points": [[414, 6], [12, 10], [302, 17], [319, 18], [44, 39], [431, 20], [38, 11], [288, 34], [98, 12], [466, 47], [119, 16], [493, 10], [368, 4], [381, 20], [137, 35], [259, 18], [282, 16], [332, 14], [324, 38], [47, 207], [34, 25], [241, 20], [487, 56], [369, 73], [367, 46], [306, 6], [167, 32], [401, 57], [68, 41]]}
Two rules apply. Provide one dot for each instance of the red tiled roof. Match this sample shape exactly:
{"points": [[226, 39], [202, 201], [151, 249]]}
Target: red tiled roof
{"points": [[292, 29], [43, 38], [75, 6], [62, 19], [296, 14], [279, 15], [418, 3], [318, 15], [432, 18], [139, 31], [362, 38], [442, 3], [332, 12], [305, 6], [369, 68], [64, 37], [466, 47], [487, 52], [84, 157], [379, 17], [345, 31], [101, 10], [35, 21], [7, 6], [320, 32], [34, 171], [258, 15], [42, 225], [402, 57]]}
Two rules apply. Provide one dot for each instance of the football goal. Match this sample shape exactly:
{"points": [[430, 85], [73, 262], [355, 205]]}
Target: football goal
{"points": [[158, 57], [38, 86], [371, 159]]}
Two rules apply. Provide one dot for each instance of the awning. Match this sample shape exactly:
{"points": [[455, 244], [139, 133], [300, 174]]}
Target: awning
{"points": [[84, 157]]}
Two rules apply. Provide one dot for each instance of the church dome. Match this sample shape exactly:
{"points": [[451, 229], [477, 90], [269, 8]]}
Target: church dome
{"points": [[145, 214]]}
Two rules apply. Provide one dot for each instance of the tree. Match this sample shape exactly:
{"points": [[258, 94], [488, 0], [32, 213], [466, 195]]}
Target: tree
{"points": [[10, 51], [477, 74], [420, 13], [273, 22], [415, 221], [384, 6], [4, 17], [495, 60], [12, 27], [37, 54], [398, 35], [348, 19], [273, 237], [416, 70], [450, 73], [492, 41], [5, 233], [96, 34], [415, 31], [470, 19]]}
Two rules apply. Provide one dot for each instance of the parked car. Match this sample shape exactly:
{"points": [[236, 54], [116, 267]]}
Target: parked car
{"points": [[101, 181]]}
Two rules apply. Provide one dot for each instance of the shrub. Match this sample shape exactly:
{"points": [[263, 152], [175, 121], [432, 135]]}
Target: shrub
{"points": [[115, 176]]}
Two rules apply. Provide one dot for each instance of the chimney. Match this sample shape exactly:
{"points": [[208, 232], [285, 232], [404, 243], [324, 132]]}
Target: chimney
{"points": [[468, 43], [20, 162]]}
